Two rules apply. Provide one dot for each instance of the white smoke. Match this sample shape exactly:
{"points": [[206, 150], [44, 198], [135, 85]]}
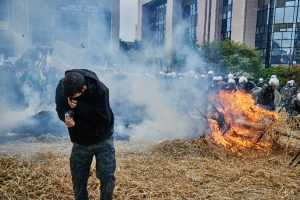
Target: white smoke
{"points": [[161, 104], [12, 117]]}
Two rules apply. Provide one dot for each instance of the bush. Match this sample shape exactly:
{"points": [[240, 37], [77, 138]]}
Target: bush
{"points": [[283, 73], [279, 71], [293, 73]]}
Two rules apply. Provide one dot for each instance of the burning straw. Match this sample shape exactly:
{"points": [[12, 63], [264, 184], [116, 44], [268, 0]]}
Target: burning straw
{"points": [[245, 122]]}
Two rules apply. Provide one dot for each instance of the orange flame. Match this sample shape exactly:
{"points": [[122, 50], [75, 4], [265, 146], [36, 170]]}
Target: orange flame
{"points": [[246, 121]]}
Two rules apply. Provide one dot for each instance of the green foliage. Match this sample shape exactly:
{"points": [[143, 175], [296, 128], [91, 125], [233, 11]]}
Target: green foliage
{"points": [[241, 57], [279, 71], [283, 73], [293, 73], [235, 57]]}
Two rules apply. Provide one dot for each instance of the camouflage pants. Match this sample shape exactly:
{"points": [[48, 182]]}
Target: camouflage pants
{"points": [[80, 163]]}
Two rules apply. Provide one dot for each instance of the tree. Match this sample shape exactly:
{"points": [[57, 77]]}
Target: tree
{"points": [[241, 57], [233, 56]]}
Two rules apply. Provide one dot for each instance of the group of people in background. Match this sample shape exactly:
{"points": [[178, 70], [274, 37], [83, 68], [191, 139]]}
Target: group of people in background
{"points": [[24, 82], [28, 79], [266, 94]]}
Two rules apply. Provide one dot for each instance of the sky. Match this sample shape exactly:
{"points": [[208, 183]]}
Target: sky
{"points": [[128, 19]]}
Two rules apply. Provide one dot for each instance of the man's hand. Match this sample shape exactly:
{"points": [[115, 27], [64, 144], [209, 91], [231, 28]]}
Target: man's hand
{"points": [[72, 103], [69, 122]]}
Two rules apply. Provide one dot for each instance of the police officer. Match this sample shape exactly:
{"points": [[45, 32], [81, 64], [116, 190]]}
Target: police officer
{"points": [[260, 82], [294, 108], [245, 84], [266, 97], [230, 85], [288, 92]]}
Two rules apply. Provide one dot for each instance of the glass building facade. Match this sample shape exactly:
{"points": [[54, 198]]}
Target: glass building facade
{"points": [[73, 22], [80, 23], [157, 25], [278, 31], [226, 19], [190, 16], [6, 39]]}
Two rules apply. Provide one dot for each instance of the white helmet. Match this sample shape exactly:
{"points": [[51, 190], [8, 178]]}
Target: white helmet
{"points": [[260, 80], [231, 80], [292, 83], [298, 96], [274, 81], [243, 79], [273, 76], [220, 78], [202, 76], [172, 74], [230, 76], [191, 73], [215, 78], [162, 73], [210, 72]]}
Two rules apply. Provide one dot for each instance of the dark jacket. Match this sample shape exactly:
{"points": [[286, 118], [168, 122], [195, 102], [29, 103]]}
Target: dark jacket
{"points": [[266, 98], [294, 107], [260, 84], [247, 87], [229, 86], [94, 119], [288, 92]]}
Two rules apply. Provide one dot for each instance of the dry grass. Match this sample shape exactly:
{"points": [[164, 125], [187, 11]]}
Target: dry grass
{"points": [[180, 169]]}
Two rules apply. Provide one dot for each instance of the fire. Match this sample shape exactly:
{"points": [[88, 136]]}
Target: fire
{"points": [[244, 122]]}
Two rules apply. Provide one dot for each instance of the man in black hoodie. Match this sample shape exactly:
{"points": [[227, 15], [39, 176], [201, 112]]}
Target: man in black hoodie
{"points": [[82, 103]]}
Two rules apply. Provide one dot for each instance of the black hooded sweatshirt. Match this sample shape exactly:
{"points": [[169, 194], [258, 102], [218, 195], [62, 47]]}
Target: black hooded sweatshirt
{"points": [[94, 119]]}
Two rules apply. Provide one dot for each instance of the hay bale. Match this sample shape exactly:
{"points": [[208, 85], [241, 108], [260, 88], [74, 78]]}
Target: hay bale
{"points": [[180, 169]]}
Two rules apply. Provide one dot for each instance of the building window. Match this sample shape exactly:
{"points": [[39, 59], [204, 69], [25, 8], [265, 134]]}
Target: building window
{"points": [[190, 16], [281, 36], [4, 10], [157, 26], [226, 20]]}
